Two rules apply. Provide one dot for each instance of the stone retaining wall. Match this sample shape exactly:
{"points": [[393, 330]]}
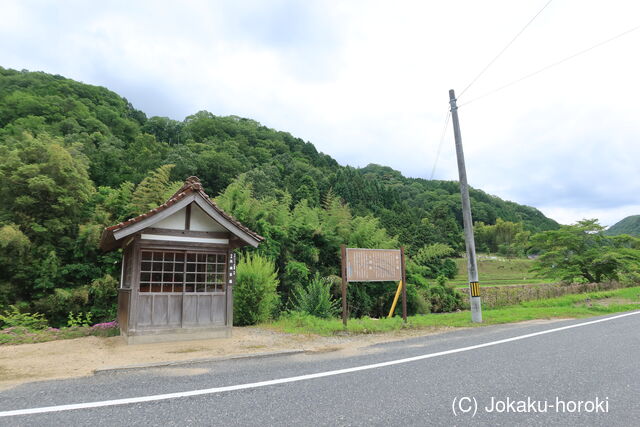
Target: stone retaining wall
{"points": [[500, 296]]}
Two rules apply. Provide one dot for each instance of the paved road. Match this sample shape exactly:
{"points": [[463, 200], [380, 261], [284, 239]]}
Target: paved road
{"points": [[597, 364]]}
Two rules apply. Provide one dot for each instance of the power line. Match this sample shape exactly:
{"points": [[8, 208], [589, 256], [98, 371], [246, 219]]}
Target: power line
{"points": [[504, 49], [582, 52], [444, 132]]}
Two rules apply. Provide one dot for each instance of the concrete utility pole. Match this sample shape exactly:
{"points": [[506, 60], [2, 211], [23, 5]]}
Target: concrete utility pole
{"points": [[472, 266]]}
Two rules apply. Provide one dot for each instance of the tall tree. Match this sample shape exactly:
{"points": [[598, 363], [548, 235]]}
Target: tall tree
{"points": [[154, 190], [582, 251]]}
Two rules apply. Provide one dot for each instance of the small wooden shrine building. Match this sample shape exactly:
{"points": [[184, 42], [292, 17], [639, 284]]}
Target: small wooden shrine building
{"points": [[178, 268]]}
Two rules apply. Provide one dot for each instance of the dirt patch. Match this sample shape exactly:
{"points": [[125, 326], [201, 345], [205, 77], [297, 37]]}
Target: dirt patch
{"points": [[82, 356]]}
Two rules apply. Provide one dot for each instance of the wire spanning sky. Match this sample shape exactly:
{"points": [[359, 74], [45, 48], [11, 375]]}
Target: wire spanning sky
{"points": [[367, 82]]}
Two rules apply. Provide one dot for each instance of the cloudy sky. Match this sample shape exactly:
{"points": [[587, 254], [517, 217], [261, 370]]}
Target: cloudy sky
{"points": [[367, 82]]}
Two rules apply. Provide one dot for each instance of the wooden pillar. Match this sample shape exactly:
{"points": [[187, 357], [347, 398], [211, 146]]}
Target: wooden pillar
{"points": [[135, 286]]}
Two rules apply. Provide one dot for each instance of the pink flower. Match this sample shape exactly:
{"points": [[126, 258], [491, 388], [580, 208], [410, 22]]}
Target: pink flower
{"points": [[107, 325]]}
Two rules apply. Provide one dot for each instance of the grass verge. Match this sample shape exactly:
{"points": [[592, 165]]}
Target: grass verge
{"points": [[567, 306], [22, 335]]}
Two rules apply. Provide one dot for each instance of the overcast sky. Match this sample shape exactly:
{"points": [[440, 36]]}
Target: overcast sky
{"points": [[367, 82]]}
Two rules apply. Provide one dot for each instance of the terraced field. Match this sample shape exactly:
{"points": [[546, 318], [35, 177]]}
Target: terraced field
{"points": [[499, 271]]}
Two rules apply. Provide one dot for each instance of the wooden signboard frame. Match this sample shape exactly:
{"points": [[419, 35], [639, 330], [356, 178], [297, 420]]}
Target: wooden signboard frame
{"points": [[372, 265]]}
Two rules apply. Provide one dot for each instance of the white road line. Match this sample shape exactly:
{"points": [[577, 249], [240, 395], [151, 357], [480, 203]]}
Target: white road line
{"points": [[214, 390]]}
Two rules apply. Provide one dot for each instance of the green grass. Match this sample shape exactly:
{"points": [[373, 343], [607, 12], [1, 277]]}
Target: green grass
{"points": [[568, 306], [22, 335], [597, 298], [499, 271]]}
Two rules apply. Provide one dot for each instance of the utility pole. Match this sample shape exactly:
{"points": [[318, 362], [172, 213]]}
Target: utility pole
{"points": [[472, 266]]}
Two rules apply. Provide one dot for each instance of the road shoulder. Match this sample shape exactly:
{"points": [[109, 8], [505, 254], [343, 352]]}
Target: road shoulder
{"points": [[85, 356]]}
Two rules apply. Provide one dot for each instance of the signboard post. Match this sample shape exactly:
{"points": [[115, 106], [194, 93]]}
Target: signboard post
{"points": [[372, 265], [343, 257]]}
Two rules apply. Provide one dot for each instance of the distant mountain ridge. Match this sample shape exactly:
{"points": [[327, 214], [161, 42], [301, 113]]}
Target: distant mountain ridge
{"points": [[629, 225]]}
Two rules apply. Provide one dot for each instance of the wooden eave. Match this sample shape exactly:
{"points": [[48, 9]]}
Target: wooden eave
{"points": [[191, 192]]}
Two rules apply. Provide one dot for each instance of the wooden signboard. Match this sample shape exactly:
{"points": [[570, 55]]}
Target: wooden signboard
{"points": [[372, 265]]}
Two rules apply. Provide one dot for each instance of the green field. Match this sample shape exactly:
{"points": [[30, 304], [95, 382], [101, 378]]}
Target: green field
{"points": [[498, 271]]}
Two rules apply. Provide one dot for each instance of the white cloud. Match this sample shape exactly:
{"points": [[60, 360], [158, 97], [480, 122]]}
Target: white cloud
{"points": [[607, 217], [367, 82]]}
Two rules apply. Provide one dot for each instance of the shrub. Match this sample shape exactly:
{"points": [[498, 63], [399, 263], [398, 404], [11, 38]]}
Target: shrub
{"points": [[58, 305], [80, 319], [103, 294], [14, 318], [295, 274], [362, 298], [442, 297], [315, 299], [255, 297], [417, 302], [433, 260], [374, 299], [449, 268]]}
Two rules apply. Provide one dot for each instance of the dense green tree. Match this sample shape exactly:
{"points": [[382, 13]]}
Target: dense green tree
{"points": [[583, 251], [217, 169], [154, 190], [45, 191], [431, 261], [15, 250], [45, 187], [164, 129], [504, 237]]}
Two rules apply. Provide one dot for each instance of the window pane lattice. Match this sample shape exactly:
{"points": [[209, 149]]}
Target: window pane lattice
{"points": [[171, 271]]}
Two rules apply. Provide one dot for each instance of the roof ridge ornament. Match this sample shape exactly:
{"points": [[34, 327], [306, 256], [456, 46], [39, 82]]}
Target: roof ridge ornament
{"points": [[193, 182]]}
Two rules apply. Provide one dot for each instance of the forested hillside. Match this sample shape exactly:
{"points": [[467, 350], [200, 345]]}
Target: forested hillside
{"points": [[629, 225], [75, 158]]}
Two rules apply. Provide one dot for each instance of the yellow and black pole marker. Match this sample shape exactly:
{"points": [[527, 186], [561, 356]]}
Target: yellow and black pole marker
{"points": [[475, 289], [472, 267]]}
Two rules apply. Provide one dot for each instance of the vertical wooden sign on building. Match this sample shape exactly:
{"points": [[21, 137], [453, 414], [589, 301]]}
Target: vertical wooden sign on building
{"points": [[372, 265]]}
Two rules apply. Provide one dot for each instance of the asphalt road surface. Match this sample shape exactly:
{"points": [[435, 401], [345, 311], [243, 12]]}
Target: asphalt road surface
{"points": [[555, 373]]}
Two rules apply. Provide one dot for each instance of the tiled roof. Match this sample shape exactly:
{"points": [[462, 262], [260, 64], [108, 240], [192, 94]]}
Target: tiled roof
{"points": [[191, 185]]}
